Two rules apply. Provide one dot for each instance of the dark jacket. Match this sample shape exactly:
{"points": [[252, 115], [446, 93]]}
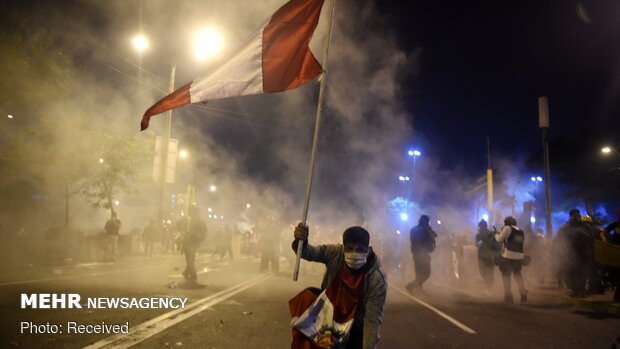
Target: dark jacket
{"points": [[422, 239]]}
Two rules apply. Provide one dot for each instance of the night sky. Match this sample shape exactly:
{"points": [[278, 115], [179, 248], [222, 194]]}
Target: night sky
{"points": [[484, 64]]}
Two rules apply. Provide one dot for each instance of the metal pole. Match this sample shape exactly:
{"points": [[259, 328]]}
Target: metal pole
{"points": [[543, 123], [164, 149], [489, 183], [547, 184], [315, 140]]}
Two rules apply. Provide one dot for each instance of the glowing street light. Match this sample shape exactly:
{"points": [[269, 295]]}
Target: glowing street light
{"points": [[209, 209], [9, 116], [183, 154], [248, 205], [212, 188], [116, 202], [607, 149], [536, 179], [101, 160], [403, 178], [404, 216], [140, 43], [208, 43]]}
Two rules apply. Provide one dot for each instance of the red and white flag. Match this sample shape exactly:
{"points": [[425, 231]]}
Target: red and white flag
{"points": [[280, 55]]}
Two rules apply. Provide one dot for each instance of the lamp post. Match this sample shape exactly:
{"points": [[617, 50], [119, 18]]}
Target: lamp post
{"points": [[207, 43]]}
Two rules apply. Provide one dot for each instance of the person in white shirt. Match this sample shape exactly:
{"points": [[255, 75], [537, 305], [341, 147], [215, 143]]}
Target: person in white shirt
{"points": [[511, 258]]}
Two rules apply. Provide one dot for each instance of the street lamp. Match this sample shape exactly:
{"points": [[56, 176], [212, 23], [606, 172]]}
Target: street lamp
{"points": [[404, 216], [607, 149], [140, 43], [10, 116], [207, 43], [248, 205], [183, 154], [212, 188]]}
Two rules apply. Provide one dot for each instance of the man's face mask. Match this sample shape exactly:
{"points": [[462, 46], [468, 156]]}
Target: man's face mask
{"points": [[355, 260]]}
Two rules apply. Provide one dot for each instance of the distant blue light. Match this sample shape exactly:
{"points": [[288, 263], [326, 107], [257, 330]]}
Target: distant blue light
{"points": [[539, 179], [414, 153], [401, 178], [485, 217], [404, 216], [533, 179], [533, 219]]}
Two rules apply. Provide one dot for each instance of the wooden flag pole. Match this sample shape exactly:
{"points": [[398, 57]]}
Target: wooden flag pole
{"points": [[315, 140]]}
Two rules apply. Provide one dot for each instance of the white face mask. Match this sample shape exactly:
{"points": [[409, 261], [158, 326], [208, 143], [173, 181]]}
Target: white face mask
{"points": [[355, 260]]}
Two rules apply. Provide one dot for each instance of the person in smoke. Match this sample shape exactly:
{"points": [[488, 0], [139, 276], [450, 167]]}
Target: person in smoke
{"points": [[422, 238], [149, 235], [488, 249], [511, 258], [194, 230], [269, 245], [612, 235], [574, 251], [355, 283], [111, 229]]}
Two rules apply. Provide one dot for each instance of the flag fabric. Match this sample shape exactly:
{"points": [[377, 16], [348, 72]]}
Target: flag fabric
{"points": [[282, 54]]}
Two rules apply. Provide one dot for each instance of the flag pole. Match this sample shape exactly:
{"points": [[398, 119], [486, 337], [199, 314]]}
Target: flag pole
{"points": [[315, 140]]}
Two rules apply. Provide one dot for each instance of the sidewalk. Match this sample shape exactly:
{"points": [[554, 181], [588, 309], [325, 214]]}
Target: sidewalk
{"points": [[601, 303]]}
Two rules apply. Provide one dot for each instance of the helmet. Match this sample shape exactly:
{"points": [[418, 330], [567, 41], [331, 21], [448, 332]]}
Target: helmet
{"points": [[586, 218]]}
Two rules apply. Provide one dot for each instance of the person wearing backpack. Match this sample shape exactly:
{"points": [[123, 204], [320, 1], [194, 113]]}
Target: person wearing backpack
{"points": [[488, 248], [194, 230], [511, 258]]}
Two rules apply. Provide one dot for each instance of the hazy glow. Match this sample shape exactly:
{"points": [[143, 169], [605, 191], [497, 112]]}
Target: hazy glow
{"points": [[117, 202], [533, 219], [101, 161], [485, 217], [213, 188], [248, 205], [183, 154], [606, 150], [208, 43], [10, 116], [209, 209], [414, 153], [539, 179], [439, 222], [140, 43], [404, 216]]}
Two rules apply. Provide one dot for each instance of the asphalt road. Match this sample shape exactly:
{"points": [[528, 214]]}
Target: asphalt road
{"points": [[239, 307]]}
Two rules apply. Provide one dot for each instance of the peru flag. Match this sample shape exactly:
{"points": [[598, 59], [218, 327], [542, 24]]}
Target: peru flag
{"points": [[281, 55]]}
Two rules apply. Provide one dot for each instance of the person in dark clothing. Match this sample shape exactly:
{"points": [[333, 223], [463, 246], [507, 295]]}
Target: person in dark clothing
{"points": [[422, 238], [612, 235], [112, 230], [149, 234], [194, 230], [574, 250], [488, 249], [511, 258], [269, 245]]}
